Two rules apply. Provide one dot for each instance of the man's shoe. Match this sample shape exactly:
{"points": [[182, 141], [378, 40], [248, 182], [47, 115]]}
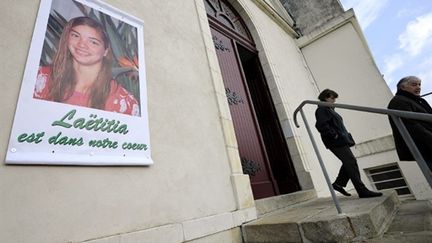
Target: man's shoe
{"points": [[340, 189], [368, 193]]}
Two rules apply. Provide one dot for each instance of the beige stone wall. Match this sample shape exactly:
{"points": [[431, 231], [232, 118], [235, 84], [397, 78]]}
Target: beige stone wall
{"points": [[195, 187], [195, 191]]}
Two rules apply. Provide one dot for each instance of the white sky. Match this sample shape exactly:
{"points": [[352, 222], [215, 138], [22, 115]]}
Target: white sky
{"points": [[399, 33]]}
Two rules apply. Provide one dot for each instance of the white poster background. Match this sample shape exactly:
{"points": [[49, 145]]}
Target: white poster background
{"points": [[35, 117]]}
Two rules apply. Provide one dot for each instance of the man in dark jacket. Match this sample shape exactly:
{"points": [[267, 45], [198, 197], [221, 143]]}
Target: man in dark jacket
{"points": [[337, 139], [408, 98]]}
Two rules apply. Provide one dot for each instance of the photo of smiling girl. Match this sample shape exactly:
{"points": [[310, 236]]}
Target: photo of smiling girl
{"points": [[81, 71]]}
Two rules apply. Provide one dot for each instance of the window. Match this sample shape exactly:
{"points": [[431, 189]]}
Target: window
{"points": [[389, 177]]}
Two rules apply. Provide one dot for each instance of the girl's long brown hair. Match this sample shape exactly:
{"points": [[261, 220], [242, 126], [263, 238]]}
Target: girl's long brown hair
{"points": [[63, 81]]}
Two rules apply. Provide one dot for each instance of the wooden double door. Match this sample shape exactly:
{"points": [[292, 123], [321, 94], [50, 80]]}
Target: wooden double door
{"points": [[261, 143]]}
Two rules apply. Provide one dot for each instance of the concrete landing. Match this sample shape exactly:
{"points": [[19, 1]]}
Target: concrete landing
{"points": [[317, 221]]}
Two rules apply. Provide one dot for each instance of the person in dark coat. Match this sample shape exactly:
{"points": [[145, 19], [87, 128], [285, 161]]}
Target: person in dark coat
{"points": [[408, 98], [338, 140]]}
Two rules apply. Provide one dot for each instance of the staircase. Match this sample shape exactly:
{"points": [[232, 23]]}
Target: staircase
{"points": [[412, 223], [301, 217]]}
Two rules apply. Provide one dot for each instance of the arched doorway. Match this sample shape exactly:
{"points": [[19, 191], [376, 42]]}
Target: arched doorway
{"points": [[261, 144]]}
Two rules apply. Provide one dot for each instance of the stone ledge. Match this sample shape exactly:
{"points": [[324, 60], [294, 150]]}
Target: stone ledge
{"points": [[378, 145], [170, 233], [184, 231], [206, 226], [268, 205]]}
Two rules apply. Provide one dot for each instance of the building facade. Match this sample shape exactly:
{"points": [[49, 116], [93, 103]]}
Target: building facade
{"points": [[223, 80]]}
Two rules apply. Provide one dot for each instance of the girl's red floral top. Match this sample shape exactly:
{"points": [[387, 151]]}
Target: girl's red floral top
{"points": [[119, 100]]}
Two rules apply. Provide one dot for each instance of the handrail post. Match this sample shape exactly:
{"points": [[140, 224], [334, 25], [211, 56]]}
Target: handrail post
{"points": [[323, 168], [413, 148]]}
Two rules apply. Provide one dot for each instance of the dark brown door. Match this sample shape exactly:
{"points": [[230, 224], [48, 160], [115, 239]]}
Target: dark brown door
{"points": [[247, 131], [261, 143], [277, 152]]}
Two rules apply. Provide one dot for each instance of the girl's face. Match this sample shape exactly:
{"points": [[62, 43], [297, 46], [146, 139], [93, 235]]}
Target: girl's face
{"points": [[86, 45]]}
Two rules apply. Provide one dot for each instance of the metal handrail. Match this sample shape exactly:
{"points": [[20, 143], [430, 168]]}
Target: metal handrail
{"points": [[426, 94], [395, 115], [403, 114]]}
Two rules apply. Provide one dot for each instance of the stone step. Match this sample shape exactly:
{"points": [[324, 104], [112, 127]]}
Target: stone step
{"points": [[413, 237], [317, 220], [267, 205], [412, 223]]}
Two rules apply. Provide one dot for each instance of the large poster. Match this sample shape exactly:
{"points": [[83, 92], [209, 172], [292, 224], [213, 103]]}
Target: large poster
{"points": [[83, 96]]}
